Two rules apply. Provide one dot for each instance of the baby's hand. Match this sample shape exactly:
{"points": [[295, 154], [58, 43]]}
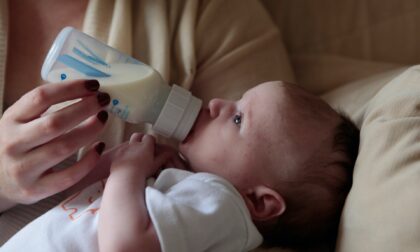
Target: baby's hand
{"points": [[173, 158], [139, 157]]}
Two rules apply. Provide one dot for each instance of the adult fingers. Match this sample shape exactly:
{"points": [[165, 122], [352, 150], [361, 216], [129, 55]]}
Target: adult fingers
{"points": [[58, 181], [52, 153], [37, 101], [50, 126]]}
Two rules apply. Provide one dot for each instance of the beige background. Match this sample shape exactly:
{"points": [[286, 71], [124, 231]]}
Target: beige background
{"points": [[331, 42]]}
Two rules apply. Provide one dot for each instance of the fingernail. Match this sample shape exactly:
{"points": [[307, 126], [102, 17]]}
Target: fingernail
{"points": [[103, 98], [92, 85], [100, 148], [102, 116]]}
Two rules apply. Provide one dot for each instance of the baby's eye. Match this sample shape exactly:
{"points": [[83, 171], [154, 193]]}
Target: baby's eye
{"points": [[237, 119]]}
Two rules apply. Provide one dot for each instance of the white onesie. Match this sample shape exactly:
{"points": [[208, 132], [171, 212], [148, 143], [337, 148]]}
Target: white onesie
{"points": [[190, 212]]}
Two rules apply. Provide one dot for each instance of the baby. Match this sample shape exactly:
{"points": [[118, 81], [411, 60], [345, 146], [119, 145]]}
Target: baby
{"points": [[288, 153], [277, 163]]}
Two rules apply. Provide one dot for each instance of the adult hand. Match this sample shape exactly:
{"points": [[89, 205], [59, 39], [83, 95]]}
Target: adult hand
{"points": [[33, 140]]}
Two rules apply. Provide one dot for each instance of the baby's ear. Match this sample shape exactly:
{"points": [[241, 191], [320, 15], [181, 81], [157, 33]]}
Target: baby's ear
{"points": [[264, 203]]}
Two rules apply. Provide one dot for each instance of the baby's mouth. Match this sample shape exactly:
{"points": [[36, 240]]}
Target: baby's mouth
{"points": [[191, 133], [188, 136]]}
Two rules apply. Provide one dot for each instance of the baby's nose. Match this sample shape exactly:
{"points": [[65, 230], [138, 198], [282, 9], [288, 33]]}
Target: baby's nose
{"points": [[215, 105]]}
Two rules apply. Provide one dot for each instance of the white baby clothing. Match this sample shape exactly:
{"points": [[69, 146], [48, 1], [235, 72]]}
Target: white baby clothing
{"points": [[190, 212]]}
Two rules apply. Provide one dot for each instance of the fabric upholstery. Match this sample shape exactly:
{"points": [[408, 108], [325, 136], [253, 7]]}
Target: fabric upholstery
{"points": [[382, 210]]}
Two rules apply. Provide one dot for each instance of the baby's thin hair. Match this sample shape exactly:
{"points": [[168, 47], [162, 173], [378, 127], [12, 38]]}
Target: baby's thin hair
{"points": [[315, 201]]}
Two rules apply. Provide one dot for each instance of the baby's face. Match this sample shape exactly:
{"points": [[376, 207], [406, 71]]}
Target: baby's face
{"points": [[238, 140]]}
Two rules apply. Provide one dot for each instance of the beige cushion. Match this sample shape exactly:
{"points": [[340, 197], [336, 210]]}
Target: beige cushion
{"points": [[382, 210], [352, 98], [319, 73]]}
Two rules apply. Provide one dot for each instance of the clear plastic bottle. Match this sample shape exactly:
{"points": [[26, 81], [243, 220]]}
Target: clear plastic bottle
{"points": [[138, 92]]}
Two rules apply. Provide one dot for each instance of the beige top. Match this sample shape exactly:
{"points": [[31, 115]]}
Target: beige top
{"points": [[214, 48]]}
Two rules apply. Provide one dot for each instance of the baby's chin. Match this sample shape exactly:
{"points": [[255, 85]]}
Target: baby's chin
{"points": [[191, 133], [186, 146]]}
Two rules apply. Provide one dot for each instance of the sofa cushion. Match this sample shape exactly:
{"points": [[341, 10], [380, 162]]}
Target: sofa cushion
{"points": [[381, 212]]}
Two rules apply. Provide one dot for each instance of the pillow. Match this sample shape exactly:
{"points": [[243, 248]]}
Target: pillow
{"points": [[382, 209], [352, 98]]}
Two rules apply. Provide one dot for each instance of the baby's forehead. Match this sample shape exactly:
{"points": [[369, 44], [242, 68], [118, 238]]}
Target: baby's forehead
{"points": [[283, 93], [291, 113], [306, 104]]}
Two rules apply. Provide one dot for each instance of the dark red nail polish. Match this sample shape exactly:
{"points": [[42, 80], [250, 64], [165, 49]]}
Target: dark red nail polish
{"points": [[100, 147], [102, 116], [92, 85], [103, 98]]}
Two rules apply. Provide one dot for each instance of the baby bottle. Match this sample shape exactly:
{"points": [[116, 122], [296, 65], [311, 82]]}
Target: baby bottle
{"points": [[138, 93]]}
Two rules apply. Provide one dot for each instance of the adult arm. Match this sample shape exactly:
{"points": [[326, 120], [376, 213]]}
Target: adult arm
{"points": [[33, 140]]}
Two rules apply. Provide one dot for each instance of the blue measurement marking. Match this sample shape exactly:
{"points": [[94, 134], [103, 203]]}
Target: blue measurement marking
{"points": [[94, 56], [91, 59], [80, 66]]}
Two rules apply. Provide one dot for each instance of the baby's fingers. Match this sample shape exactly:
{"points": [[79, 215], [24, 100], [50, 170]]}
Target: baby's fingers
{"points": [[148, 140], [136, 137], [170, 160], [166, 160]]}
